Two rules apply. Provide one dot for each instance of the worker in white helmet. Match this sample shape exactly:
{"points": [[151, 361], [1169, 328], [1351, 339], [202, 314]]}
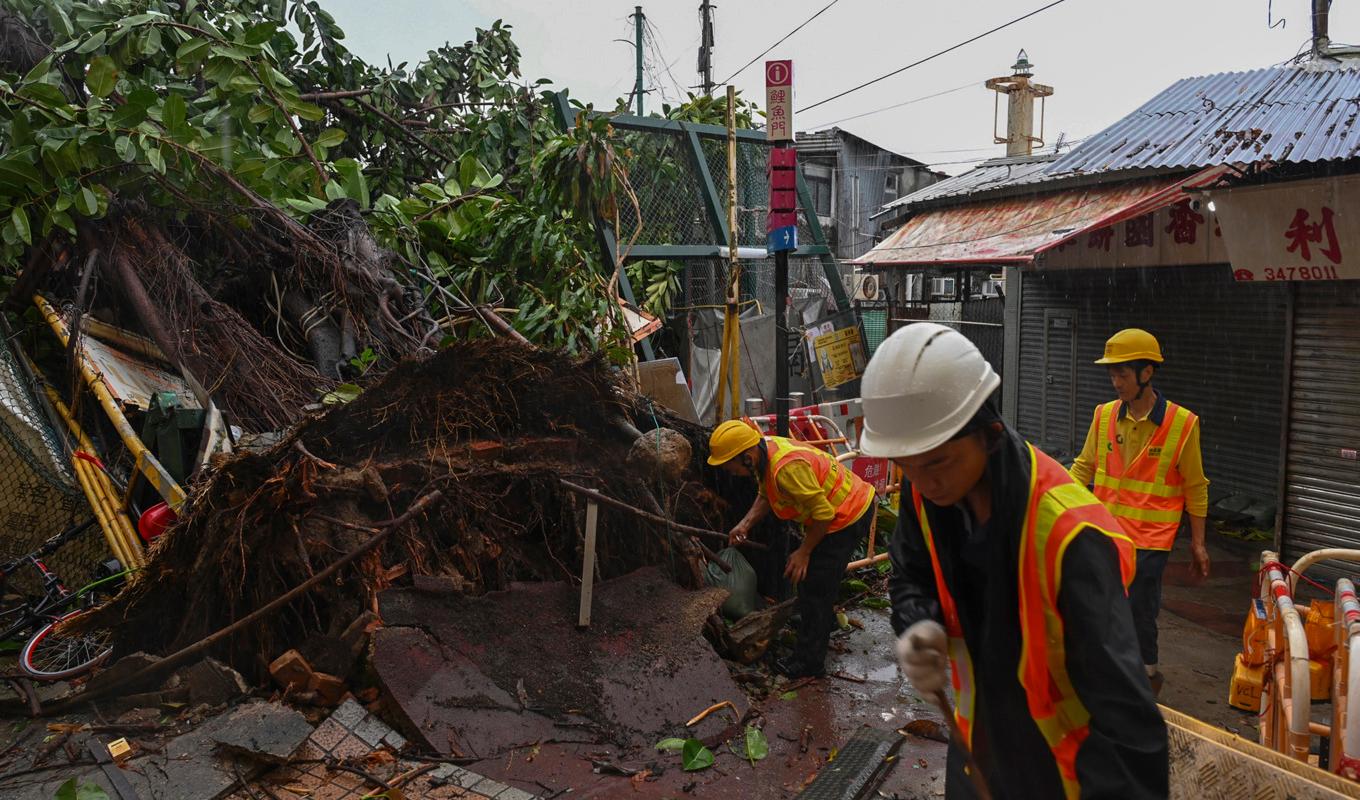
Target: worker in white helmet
{"points": [[1008, 571]]}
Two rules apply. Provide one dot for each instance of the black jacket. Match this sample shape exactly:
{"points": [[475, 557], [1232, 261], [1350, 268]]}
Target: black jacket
{"points": [[1125, 755]]}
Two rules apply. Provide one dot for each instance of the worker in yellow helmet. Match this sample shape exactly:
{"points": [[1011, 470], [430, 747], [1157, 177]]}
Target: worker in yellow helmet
{"points": [[1142, 460], [832, 503]]}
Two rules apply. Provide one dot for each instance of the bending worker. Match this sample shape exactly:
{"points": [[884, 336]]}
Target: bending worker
{"points": [[802, 483], [1011, 576], [1142, 459]]}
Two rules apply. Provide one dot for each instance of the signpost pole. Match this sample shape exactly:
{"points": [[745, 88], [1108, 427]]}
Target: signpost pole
{"points": [[782, 224], [781, 344]]}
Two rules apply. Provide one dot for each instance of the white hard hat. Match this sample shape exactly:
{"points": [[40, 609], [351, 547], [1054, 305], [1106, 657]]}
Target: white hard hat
{"points": [[924, 383]]}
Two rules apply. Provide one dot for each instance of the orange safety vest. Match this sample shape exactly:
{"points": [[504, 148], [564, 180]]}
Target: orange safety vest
{"points": [[1057, 510], [1147, 494], [845, 491]]}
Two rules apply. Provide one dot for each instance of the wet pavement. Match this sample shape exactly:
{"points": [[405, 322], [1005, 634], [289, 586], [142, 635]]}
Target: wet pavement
{"points": [[803, 727]]}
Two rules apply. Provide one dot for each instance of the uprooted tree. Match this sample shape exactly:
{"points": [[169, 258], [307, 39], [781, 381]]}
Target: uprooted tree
{"points": [[296, 213]]}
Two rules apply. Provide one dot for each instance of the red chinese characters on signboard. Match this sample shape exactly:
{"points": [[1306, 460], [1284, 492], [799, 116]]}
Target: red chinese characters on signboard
{"points": [[1138, 231], [1184, 224], [1301, 233]]}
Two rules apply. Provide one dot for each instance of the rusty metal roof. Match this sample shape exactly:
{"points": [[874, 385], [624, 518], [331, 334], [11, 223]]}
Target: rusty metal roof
{"points": [[1012, 230], [1295, 114]]}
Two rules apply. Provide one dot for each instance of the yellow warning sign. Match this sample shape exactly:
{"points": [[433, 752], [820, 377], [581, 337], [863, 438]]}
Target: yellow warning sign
{"points": [[840, 355]]}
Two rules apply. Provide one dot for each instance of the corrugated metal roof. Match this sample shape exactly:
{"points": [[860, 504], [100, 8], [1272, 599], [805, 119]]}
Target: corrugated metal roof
{"points": [[987, 176], [1012, 230], [1285, 114], [1294, 114]]}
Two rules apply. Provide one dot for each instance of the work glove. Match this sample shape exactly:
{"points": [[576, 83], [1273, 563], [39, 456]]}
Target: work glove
{"points": [[921, 652]]}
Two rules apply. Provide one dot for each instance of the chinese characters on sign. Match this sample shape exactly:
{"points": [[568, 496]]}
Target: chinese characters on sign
{"points": [[1296, 231], [1300, 233], [1185, 222], [840, 356], [1138, 231], [779, 101]]}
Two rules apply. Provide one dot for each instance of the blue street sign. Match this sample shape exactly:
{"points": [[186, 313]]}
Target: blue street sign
{"points": [[785, 238]]}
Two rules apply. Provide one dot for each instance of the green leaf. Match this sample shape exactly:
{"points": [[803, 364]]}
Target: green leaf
{"points": [[694, 756], [101, 76], [261, 33], [192, 51], [260, 113], [93, 43], [20, 218], [334, 191], [876, 602], [125, 149], [155, 159], [789, 696], [18, 173], [330, 137], [86, 202], [151, 42], [173, 115], [467, 170], [90, 791], [356, 185], [670, 745], [757, 746], [853, 586], [344, 393], [63, 220]]}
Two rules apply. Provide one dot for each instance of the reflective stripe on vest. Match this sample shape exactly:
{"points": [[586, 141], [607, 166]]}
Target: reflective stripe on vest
{"points": [[1058, 508], [847, 493], [1147, 494]]}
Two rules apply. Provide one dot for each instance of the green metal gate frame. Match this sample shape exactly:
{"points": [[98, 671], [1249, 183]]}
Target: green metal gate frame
{"points": [[692, 132]]}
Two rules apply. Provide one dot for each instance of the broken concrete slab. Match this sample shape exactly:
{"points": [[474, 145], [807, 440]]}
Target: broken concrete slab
{"points": [[268, 732], [210, 682], [119, 671], [203, 763], [450, 666]]}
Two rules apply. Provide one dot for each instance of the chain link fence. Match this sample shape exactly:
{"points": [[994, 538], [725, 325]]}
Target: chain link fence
{"points": [[39, 496]]}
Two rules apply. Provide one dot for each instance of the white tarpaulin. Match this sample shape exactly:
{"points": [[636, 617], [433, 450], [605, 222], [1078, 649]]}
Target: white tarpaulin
{"points": [[1293, 231]]}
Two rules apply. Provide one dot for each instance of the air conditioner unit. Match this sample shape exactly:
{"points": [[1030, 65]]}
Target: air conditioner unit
{"points": [[942, 287], [867, 288]]}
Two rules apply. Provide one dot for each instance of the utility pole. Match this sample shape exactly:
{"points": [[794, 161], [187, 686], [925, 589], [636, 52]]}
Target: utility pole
{"points": [[637, 29], [706, 47]]}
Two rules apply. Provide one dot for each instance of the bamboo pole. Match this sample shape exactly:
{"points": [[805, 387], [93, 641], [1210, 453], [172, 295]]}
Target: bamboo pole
{"points": [[99, 491], [161, 480]]}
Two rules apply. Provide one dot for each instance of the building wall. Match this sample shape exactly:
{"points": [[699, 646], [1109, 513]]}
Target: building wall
{"points": [[861, 188], [1225, 348]]}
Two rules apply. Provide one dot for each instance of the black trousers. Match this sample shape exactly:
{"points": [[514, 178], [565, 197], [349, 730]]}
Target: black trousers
{"points": [[817, 594], [1145, 600]]}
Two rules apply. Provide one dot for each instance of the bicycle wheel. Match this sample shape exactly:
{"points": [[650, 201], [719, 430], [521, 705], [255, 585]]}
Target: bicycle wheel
{"points": [[52, 655]]}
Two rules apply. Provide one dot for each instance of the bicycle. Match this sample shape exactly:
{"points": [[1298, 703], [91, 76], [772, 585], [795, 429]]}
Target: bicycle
{"points": [[49, 653]]}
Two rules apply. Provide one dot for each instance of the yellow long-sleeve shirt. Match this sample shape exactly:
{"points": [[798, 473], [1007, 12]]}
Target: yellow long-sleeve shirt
{"points": [[798, 484], [1134, 435]]}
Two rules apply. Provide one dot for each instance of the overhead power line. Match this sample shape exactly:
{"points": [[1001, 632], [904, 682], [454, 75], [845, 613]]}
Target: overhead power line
{"points": [[930, 57], [969, 85], [781, 41]]}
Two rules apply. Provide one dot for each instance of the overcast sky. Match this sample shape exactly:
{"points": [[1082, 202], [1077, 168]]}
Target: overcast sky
{"points": [[1103, 57]]}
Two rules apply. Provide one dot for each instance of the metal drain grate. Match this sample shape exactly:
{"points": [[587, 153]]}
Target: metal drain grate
{"points": [[860, 766]]}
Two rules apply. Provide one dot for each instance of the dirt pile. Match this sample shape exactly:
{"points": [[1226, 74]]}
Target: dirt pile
{"points": [[491, 424]]}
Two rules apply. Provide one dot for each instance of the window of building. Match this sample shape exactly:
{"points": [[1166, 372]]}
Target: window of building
{"points": [[890, 188], [820, 189]]}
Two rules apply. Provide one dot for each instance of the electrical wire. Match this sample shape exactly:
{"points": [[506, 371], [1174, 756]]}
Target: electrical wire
{"points": [[782, 40], [932, 56], [969, 85]]}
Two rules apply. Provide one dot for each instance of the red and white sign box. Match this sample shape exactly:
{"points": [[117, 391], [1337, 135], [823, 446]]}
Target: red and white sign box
{"points": [[779, 100], [1294, 231]]}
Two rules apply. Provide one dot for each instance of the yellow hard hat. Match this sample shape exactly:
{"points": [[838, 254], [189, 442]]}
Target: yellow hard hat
{"points": [[731, 439], [1131, 344]]}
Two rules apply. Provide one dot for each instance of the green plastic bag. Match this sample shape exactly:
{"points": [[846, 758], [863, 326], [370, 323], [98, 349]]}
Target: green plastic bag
{"points": [[740, 582]]}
